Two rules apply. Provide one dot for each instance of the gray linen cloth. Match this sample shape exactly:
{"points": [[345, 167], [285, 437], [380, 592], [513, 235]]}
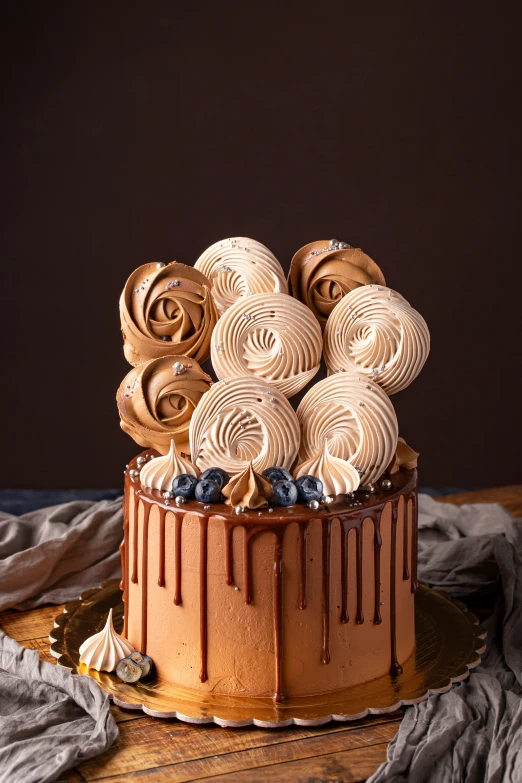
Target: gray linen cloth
{"points": [[50, 720], [473, 733]]}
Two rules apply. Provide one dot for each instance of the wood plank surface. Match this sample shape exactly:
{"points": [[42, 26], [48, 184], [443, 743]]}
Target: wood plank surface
{"points": [[161, 751]]}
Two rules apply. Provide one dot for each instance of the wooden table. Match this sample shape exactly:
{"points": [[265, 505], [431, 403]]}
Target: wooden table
{"points": [[157, 751]]}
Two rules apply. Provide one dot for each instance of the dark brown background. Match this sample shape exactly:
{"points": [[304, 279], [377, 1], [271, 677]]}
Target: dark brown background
{"points": [[146, 131]]}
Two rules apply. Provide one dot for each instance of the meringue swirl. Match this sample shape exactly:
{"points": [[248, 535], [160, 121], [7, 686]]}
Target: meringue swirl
{"points": [[160, 472], [242, 420], [105, 649], [166, 309], [155, 404], [322, 272], [239, 267], [337, 475], [271, 336], [356, 418], [375, 331]]}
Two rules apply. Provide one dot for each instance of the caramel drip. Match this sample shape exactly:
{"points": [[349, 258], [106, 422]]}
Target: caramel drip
{"points": [[177, 534], [124, 546], [345, 530], [414, 541], [161, 568], [144, 577], [203, 557], [405, 558], [327, 528], [377, 543], [134, 577], [228, 554], [302, 532], [395, 667], [359, 617], [278, 613]]}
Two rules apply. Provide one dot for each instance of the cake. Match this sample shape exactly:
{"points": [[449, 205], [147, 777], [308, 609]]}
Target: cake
{"points": [[269, 550]]}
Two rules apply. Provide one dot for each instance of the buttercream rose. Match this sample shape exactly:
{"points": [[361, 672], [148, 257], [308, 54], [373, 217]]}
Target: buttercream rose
{"points": [[322, 272], [156, 401], [167, 309]]}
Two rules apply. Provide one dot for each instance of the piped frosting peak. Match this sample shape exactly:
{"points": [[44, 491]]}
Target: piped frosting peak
{"points": [[103, 650], [159, 473], [337, 475], [405, 457], [248, 489]]}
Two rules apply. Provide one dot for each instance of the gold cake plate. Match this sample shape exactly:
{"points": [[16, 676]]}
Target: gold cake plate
{"points": [[449, 644]]}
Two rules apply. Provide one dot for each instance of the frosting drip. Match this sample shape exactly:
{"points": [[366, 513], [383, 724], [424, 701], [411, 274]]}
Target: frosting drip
{"points": [[242, 420], [240, 267], [320, 275], [405, 457], [356, 418], [337, 475], [375, 331], [248, 489], [166, 310], [156, 405], [272, 336], [159, 473], [102, 651]]}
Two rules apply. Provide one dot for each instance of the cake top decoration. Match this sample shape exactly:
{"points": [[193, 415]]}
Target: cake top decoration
{"points": [[272, 336], [242, 420], [322, 272], [338, 476], [159, 473], [374, 331], [405, 457], [157, 398], [167, 309], [248, 489], [103, 650], [238, 267], [357, 420]]}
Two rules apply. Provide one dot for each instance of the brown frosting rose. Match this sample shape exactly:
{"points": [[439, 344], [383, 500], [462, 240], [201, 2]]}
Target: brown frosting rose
{"points": [[167, 309], [405, 457], [248, 489], [156, 401], [322, 272]]}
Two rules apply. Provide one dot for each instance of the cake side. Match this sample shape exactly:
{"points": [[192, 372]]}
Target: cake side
{"points": [[287, 602]]}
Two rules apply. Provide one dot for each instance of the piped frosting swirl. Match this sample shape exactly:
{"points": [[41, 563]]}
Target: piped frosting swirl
{"points": [[374, 331], [357, 420], [160, 472], [166, 309], [105, 649], [272, 336], [248, 489], [337, 475], [238, 267], [156, 404], [242, 420], [322, 272]]}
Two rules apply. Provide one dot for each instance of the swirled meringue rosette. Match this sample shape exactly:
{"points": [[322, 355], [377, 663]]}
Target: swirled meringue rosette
{"points": [[156, 401], [375, 331], [166, 309], [322, 272], [346, 418], [271, 336], [243, 420], [238, 267]]}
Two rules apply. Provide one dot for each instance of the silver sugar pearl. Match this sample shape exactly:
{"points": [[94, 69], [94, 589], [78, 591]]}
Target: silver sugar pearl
{"points": [[180, 501], [327, 499], [239, 509], [333, 242], [386, 484], [179, 368], [175, 282], [168, 494], [134, 474], [236, 587], [313, 504], [371, 488], [270, 510], [343, 245], [141, 461], [160, 265], [206, 508]]}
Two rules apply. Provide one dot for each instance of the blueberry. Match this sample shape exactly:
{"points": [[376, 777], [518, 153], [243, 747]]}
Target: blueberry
{"points": [[144, 662], [208, 491], [277, 474], [218, 475], [284, 493], [184, 485], [309, 488], [128, 670]]}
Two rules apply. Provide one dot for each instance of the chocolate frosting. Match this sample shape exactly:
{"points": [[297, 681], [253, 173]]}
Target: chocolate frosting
{"points": [[321, 275], [156, 405], [248, 489], [167, 310]]}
